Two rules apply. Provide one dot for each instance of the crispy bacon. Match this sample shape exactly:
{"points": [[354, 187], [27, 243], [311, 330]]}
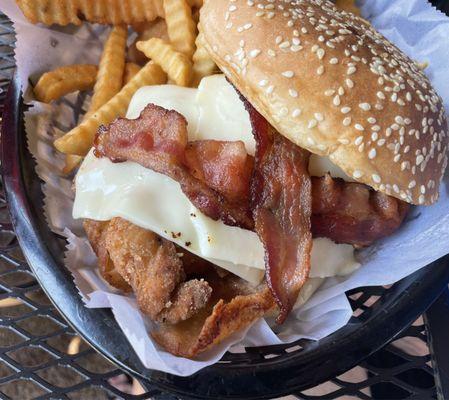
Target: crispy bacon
{"points": [[352, 212], [215, 175], [157, 140], [224, 166], [281, 201]]}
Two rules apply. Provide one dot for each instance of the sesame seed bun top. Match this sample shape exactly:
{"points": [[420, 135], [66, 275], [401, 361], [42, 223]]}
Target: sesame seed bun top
{"points": [[326, 80]]}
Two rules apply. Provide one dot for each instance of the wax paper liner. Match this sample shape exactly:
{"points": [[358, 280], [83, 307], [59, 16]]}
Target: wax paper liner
{"points": [[415, 26]]}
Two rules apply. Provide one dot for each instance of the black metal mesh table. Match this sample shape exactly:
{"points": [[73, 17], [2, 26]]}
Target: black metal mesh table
{"points": [[41, 357]]}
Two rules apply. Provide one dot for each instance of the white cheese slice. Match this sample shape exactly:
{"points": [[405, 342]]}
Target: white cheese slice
{"points": [[105, 190]]}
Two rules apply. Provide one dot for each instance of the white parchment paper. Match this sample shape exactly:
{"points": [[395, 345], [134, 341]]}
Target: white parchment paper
{"points": [[414, 25]]}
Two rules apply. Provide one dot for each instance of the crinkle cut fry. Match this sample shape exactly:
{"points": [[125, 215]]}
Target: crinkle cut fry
{"points": [[111, 12]]}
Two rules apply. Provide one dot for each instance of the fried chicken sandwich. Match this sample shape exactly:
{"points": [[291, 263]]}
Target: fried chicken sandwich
{"points": [[220, 205]]}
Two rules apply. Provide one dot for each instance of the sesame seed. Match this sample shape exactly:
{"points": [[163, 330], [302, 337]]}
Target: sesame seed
{"points": [[412, 184], [343, 141], [347, 121], [320, 70], [419, 159], [288, 74], [365, 106], [399, 120], [380, 95], [336, 101], [349, 83], [312, 123], [284, 45], [254, 53], [320, 53], [329, 92], [292, 92], [270, 89], [333, 61], [232, 8], [345, 110], [351, 70], [376, 178], [358, 141], [357, 174], [263, 82], [359, 127], [296, 113], [247, 26], [319, 117]]}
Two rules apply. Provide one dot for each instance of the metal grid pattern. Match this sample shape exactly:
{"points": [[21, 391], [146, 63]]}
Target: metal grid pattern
{"points": [[41, 357]]}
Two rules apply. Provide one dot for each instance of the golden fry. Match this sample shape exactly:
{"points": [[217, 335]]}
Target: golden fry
{"points": [[180, 25], [196, 15], [71, 162], [112, 12], [348, 5], [61, 81], [79, 140], [131, 70], [147, 30], [195, 3], [177, 66], [111, 69], [203, 65]]}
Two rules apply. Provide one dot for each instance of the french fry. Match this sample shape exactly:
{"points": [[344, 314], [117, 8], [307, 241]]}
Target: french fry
{"points": [[195, 3], [131, 70], [112, 12], [348, 5], [196, 15], [71, 162], [180, 26], [177, 66], [111, 69], [147, 30], [203, 65], [80, 139], [64, 80]]}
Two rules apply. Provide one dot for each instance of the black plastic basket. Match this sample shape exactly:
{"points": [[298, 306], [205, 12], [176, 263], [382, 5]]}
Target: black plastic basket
{"points": [[263, 372]]}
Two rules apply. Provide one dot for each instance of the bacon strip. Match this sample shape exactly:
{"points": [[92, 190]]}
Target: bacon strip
{"points": [[157, 140], [281, 200], [352, 212]]}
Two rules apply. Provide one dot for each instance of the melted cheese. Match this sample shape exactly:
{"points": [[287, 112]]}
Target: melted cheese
{"points": [[105, 190]]}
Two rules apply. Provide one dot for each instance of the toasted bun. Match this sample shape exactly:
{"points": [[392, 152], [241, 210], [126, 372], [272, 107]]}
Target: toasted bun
{"points": [[326, 80]]}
